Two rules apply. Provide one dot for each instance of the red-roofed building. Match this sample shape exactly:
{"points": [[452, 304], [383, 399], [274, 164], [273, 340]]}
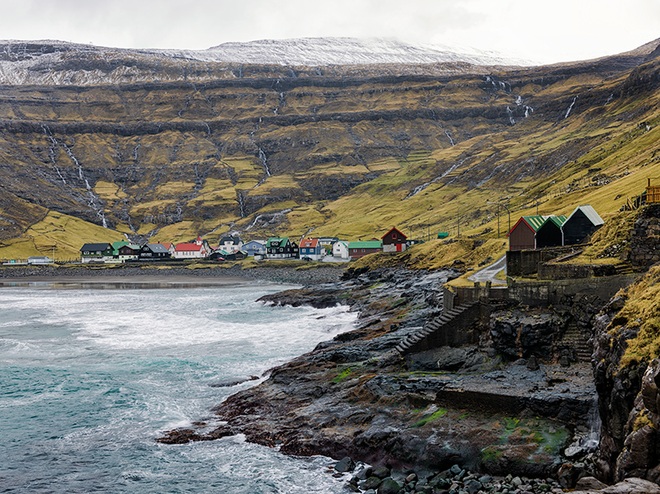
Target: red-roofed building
{"points": [[190, 250], [312, 248], [169, 246], [394, 241]]}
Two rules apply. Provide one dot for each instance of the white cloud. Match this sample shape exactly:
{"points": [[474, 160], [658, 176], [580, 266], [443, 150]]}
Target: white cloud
{"points": [[533, 29]]}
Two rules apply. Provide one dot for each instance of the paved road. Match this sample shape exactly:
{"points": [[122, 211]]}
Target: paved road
{"points": [[488, 273]]}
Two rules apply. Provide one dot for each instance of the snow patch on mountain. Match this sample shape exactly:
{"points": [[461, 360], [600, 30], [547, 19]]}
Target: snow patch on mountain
{"points": [[351, 51], [56, 62]]}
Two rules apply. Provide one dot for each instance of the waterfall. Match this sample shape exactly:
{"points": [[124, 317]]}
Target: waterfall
{"points": [[570, 107], [592, 439], [264, 161], [51, 152], [241, 202], [94, 201], [510, 113], [451, 141]]}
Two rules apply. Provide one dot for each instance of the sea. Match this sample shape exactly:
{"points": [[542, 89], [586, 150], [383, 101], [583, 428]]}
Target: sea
{"points": [[92, 375]]}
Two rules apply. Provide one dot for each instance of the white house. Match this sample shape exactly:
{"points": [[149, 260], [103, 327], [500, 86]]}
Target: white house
{"points": [[340, 249], [230, 244]]}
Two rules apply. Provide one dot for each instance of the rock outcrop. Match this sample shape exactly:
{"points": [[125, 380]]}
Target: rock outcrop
{"points": [[356, 396], [627, 377]]}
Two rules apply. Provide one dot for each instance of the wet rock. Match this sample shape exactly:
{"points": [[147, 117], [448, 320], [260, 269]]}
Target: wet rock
{"points": [[388, 486], [589, 483], [371, 483], [344, 465], [628, 486]]}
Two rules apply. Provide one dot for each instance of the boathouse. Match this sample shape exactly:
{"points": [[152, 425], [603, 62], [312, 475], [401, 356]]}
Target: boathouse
{"points": [[580, 224], [549, 233], [523, 234]]}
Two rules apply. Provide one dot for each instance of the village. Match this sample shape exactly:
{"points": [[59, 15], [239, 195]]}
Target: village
{"points": [[531, 232]]}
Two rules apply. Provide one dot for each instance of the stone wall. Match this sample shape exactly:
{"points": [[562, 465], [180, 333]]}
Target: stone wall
{"points": [[463, 295], [526, 262], [645, 240], [537, 293], [553, 292], [558, 271]]}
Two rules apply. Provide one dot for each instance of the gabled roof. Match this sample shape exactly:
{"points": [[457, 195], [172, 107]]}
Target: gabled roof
{"points": [[167, 245], [95, 247], [230, 239], [397, 231], [533, 222], [558, 221], [158, 248], [260, 242], [590, 213], [282, 241], [187, 247], [309, 243], [365, 244], [120, 244]]}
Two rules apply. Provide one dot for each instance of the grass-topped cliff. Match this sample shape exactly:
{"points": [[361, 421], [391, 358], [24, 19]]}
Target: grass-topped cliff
{"points": [[269, 153]]}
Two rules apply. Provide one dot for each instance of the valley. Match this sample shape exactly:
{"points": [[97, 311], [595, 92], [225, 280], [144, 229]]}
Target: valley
{"points": [[270, 149]]}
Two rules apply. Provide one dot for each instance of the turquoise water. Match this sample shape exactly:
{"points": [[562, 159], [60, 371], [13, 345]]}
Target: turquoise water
{"points": [[91, 377]]}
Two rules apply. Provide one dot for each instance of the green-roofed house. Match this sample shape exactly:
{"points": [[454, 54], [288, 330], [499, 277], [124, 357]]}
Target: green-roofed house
{"points": [[363, 247], [550, 233], [124, 250], [523, 234], [281, 248]]}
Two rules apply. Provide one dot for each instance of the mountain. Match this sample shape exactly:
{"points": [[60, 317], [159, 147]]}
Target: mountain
{"points": [[61, 63], [99, 142]]}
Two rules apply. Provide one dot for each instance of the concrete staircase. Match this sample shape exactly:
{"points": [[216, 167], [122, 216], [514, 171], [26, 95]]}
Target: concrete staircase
{"points": [[574, 340], [449, 329]]}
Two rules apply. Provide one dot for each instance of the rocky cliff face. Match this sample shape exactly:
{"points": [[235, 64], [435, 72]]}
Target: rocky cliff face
{"points": [[627, 376]]}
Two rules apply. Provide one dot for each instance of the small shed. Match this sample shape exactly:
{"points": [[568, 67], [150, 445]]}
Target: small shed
{"points": [[394, 241], [523, 234], [652, 193], [580, 224], [550, 234]]}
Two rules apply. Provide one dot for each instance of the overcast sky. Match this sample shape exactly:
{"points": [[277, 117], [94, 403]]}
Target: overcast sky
{"points": [[544, 31]]}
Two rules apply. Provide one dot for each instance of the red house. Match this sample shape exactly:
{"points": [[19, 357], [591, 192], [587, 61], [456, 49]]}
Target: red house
{"points": [[523, 234], [394, 241]]}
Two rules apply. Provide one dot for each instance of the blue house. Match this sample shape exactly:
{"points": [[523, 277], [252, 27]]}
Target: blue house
{"points": [[255, 248], [311, 248]]}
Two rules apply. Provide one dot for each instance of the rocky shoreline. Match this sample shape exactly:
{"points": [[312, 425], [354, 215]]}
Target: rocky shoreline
{"points": [[200, 273], [472, 417], [479, 411]]}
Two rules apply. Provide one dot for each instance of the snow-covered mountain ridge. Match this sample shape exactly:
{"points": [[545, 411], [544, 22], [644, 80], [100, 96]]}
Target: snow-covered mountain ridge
{"points": [[57, 62]]}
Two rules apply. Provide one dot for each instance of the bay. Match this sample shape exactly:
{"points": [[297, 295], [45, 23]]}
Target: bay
{"points": [[91, 377]]}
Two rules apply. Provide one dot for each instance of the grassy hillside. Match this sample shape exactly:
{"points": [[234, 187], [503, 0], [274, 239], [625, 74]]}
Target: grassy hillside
{"points": [[348, 158]]}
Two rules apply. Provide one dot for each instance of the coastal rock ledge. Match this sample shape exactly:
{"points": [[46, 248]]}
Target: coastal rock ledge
{"points": [[481, 402]]}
